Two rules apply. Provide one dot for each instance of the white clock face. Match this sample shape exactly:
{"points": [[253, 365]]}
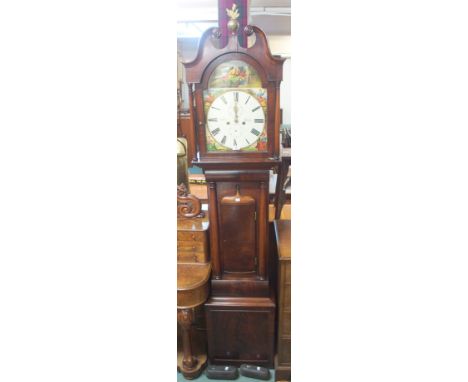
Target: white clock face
{"points": [[236, 119]]}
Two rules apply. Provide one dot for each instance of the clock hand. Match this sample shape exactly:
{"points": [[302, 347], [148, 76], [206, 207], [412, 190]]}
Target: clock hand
{"points": [[236, 111]]}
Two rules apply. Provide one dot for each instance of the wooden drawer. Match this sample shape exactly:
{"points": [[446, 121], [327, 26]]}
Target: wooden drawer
{"points": [[192, 252], [191, 246], [191, 257], [191, 236]]}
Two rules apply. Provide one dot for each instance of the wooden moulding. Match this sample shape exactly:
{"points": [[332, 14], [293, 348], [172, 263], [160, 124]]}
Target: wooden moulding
{"points": [[240, 288], [237, 175], [234, 164]]}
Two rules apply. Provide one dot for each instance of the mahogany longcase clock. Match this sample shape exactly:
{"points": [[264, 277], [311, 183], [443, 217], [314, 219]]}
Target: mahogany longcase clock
{"points": [[234, 97]]}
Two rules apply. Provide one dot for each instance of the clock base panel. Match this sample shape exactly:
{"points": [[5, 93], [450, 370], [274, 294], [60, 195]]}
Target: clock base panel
{"points": [[241, 330]]}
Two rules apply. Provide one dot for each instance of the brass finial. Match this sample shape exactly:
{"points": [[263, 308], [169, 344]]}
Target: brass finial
{"points": [[233, 14]]}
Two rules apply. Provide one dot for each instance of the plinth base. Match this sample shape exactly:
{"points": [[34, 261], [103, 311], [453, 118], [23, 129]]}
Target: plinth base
{"points": [[196, 371], [241, 330]]}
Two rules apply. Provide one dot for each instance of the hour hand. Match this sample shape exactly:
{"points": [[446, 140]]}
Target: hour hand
{"points": [[236, 111]]}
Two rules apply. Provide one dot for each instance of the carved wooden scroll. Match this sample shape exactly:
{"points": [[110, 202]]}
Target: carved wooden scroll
{"points": [[188, 205]]}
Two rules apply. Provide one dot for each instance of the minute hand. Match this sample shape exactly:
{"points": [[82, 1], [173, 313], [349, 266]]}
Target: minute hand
{"points": [[236, 111]]}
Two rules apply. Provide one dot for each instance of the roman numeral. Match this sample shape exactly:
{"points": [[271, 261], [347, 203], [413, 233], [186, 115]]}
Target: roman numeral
{"points": [[223, 99], [247, 100], [214, 107], [259, 120], [255, 109], [235, 143], [223, 141], [215, 131], [247, 141], [212, 119], [236, 96], [255, 132]]}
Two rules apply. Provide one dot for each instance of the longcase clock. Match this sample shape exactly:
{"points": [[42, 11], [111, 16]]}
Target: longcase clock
{"points": [[234, 96]]}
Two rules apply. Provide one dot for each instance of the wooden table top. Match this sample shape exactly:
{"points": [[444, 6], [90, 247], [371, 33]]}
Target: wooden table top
{"points": [[191, 276]]}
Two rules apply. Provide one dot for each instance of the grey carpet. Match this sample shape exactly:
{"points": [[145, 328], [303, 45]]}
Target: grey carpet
{"points": [[202, 378]]}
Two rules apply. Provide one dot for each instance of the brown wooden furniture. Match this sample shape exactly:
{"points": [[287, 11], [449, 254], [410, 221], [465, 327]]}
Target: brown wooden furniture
{"points": [[283, 243], [193, 275], [236, 113]]}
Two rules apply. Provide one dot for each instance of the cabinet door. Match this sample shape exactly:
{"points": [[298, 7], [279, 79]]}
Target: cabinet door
{"points": [[241, 336], [238, 245]]}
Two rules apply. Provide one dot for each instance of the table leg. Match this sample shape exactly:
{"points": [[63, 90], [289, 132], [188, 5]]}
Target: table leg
{"points": [[190, 366], [185, 319]]}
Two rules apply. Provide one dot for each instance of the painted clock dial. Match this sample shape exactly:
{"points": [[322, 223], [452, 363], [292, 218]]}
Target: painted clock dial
{"points": [[235, 105], [236, 120]]}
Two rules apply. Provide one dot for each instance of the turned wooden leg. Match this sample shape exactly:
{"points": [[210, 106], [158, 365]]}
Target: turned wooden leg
{"points": [[185, 319]]}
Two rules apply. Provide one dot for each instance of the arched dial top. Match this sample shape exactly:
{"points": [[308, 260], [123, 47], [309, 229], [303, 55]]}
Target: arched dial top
{"points": [[226, 70], [236, 120], [208, 50]]}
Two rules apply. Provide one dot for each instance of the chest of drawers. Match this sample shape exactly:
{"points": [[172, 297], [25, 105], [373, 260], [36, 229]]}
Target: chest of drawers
{"points": [[192, 241], [283, 242]]}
